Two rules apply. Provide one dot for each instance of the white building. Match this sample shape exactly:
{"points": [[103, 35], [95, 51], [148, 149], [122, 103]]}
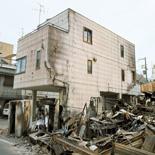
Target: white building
{"points": [[77, 57], [153, 73]]}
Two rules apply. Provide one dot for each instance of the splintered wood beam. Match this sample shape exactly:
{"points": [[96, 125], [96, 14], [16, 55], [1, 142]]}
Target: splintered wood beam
{"points": [[128, 150], [74, 147]]}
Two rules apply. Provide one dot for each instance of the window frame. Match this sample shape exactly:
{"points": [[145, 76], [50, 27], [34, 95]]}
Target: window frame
{"points": [[89, 70], [87, 30], [20, 59], [36, 66], [133, 76], [122, 75], [122, 51], [8, 81]]}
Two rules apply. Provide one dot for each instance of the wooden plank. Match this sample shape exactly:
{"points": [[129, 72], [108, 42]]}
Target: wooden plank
{"points": [[73, 146], [128, 150], [136, 138]]}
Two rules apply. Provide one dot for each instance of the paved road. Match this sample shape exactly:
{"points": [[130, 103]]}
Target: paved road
{"points": [[3, 123], [6, 148]]}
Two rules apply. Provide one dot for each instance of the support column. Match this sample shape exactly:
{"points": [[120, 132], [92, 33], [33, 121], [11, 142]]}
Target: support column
{"points": [[102, 99], [60, 107], [120, 95], [34, 99], [56, 115]]}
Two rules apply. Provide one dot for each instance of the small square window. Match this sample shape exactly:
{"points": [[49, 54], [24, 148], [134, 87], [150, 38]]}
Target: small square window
{"points": [[122, 51], [87, 35], [123, 75], [89, 66]]}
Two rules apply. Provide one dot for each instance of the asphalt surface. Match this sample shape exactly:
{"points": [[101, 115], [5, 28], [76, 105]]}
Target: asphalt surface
{"points": [[6, 148], [4, 123]]}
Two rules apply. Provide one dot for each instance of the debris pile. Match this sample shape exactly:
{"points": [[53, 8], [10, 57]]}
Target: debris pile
{"points": [[3, 131], [88, 133]]}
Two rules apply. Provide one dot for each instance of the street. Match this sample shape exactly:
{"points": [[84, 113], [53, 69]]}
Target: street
{"points": [[7, 144], [6, 148], [4, 123]]}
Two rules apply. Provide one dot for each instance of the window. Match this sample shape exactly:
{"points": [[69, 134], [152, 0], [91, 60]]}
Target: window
{"points": [[38, 59], [133, 76], [122, 51], [8, 81], [87, 35], [21, 65], [123, 75], [89, 67]]}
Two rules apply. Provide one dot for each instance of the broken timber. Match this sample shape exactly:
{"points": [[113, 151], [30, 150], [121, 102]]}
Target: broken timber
{"points": [[128, 150], [74, 147]]}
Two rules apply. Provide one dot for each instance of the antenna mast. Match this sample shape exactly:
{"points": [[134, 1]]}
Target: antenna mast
{"points": [[41, 9]]}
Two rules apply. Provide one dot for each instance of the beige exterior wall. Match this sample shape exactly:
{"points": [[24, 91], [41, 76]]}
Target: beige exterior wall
{"points": [[5, 50], [106, 70], [66, 57], [28, 47]]}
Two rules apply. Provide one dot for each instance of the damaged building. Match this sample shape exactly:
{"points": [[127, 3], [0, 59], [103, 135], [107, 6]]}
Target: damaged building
{"points": [[78, 58]]}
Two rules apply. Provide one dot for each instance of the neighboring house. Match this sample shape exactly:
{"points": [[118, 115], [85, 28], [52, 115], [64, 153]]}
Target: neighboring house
{"points": [[140, 79], [7, 72], [6, 50], [78, 58], [136, 90], [153, 73], [7, 92]]}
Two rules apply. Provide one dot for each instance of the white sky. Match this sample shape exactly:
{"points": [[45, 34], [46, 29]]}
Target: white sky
{"points": [[132, 19]]}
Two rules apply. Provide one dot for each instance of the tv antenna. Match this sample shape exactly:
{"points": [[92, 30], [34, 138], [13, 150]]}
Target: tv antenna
{"points": [[40, 10], [22, 32]]}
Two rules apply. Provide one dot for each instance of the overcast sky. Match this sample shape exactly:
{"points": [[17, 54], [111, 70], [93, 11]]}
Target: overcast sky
{"points": [[132, 19]]}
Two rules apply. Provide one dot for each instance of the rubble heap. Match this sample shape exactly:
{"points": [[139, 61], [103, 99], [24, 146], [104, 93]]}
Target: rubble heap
{"points": [[121, 132]]}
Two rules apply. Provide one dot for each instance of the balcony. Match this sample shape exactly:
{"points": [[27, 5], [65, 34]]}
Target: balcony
{"points": [[9, 93]]}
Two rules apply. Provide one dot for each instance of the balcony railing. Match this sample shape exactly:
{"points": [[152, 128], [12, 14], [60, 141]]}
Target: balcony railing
{"points": [[9, 93]]}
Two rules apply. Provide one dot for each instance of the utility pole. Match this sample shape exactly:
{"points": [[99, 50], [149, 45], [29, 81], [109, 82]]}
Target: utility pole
{"points": [[145, 67], [0, 59]]}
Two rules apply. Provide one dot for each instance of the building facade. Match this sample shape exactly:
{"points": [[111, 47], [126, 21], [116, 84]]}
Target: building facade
{"points": [[69, 53]]}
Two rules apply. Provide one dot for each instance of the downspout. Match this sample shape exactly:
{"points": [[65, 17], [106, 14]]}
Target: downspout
{"points": [[47, 63]]}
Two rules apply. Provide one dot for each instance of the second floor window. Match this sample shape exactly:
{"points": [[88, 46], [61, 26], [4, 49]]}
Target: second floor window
{"points": [[123, 75], [89, 67], [133, 76], [87, 35], [38, 59], [21, 65], [122, 51]]}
